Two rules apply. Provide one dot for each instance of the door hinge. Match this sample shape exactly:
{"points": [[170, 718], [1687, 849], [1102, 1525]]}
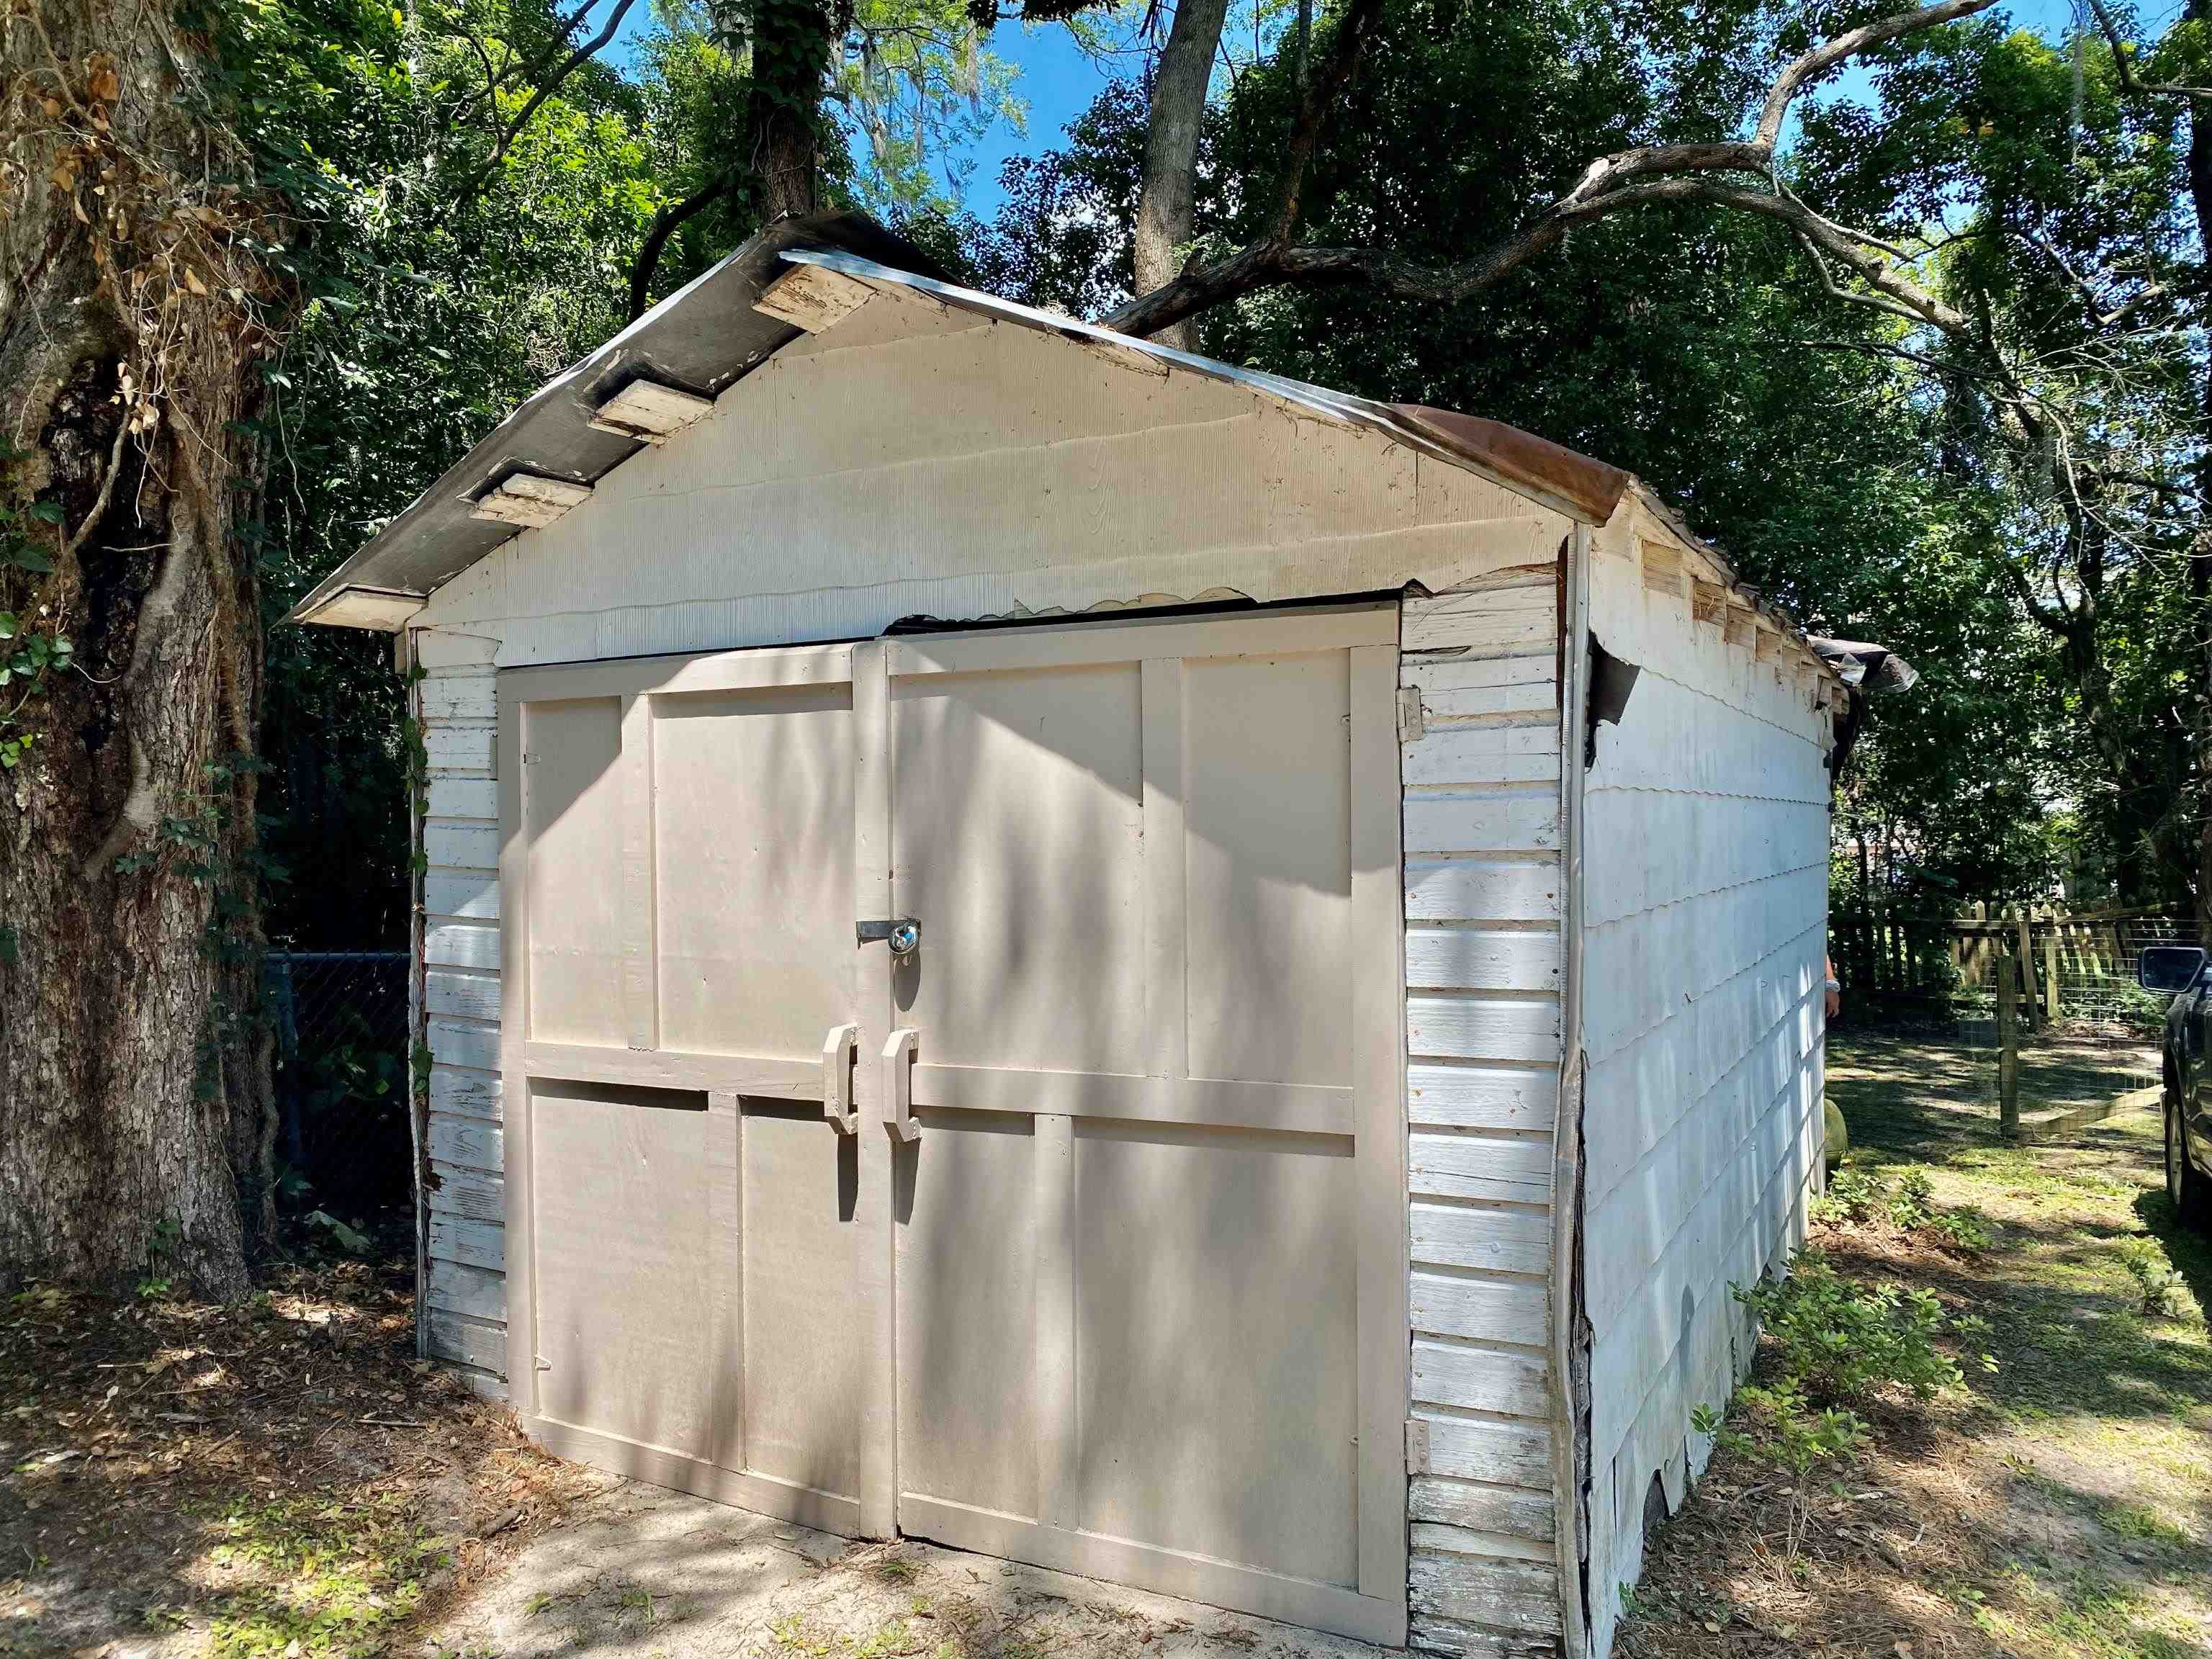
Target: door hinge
{"points": [[1410, 724], [1417, 1446]]}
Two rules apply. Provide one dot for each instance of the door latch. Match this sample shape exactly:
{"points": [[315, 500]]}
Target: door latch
{"points": [[901, 933]]}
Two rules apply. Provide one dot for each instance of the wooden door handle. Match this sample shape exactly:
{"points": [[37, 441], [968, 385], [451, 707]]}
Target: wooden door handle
{"points": [[899, 1081], [838, 1049]]}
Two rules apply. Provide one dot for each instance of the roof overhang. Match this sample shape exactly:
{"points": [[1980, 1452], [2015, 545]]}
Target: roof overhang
{"points": [[670, 364], [580, 426]]}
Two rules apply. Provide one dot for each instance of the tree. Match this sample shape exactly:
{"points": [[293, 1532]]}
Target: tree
{"points": [[1166, 195], [142, 291]]}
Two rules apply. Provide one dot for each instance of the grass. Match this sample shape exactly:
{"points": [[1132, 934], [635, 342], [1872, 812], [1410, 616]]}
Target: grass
{"points": [[2061, 1505]]}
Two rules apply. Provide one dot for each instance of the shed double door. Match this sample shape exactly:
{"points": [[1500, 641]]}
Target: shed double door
{"points": [[1074, 1233]]}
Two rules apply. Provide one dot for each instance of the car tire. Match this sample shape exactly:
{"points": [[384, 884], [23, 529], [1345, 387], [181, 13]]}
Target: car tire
{"points": [[2185, 1186]]}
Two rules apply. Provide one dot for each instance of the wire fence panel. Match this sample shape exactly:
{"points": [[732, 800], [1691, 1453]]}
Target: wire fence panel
{"points": [[340, 1019]]}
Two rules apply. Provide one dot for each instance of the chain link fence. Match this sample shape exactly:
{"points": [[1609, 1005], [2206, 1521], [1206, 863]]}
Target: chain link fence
{"points": [[340, 1019]]}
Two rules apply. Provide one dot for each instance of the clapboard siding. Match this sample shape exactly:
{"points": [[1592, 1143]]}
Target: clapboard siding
{"points": [[465, 1231], [1705, 833], [1483, 896]]}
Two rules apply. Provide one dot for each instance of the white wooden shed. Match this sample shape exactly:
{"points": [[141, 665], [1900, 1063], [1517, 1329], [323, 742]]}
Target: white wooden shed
{"points": [[1299, 1158]]}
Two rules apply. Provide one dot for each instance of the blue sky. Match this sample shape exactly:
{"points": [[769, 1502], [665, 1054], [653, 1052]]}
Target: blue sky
{"points": [[1058, 81]]}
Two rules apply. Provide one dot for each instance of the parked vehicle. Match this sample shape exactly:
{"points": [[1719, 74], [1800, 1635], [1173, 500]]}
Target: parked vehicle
{"points": [[2178, 970]]}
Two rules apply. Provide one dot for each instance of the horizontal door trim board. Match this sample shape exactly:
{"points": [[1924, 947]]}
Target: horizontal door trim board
{"points": [[716, 671], [1330, 1607], [658, 1466], [668, 1068], [1261, 634], [1293, 1107]]}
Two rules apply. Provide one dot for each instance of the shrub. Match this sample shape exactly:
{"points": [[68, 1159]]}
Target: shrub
{"points": [[1836, 1342], [1853, 1195]]}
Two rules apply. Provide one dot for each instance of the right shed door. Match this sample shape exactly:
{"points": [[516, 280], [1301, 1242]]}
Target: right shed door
{"points": [[1148, 1273]]}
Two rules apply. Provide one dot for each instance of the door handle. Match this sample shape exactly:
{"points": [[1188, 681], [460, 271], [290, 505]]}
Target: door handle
{"points": [[838, 1049], [899, 1081]]}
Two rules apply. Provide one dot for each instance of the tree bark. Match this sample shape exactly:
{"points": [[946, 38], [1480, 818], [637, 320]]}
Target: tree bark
{"points": [[1167, 192], [134, 1126], [792, 41]]}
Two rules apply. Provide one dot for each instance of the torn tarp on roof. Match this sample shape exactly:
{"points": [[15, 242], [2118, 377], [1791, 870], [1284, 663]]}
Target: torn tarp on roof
{"points": [[1864, 666]]}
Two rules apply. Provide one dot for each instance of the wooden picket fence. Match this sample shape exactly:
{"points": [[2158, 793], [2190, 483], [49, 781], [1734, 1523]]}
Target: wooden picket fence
{"points": [[1893, 953], [2065, 963]]}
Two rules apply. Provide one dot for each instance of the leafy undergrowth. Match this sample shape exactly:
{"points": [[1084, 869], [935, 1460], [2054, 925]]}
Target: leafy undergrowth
{"points": [[2059, 1504], [281, 1477]]}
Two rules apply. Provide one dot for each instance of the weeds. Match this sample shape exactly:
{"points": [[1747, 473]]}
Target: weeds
{"points": [[1858, 1198], [2164, 1294], [333, 1575], [1832, 1344]]}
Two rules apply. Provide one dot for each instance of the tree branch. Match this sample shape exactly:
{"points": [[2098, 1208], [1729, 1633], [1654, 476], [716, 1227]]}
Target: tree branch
{"points": [[1818, 61], [664, 225], [1647, 173], [1316, 103], [2122, 51], [575, 60]]}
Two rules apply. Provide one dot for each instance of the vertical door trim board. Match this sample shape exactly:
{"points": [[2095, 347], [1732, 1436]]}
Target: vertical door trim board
{"points": [[514, 1035], [726, 1231], [1378, 1082], [641, 922], [1571, 1530], [875, 1237]]}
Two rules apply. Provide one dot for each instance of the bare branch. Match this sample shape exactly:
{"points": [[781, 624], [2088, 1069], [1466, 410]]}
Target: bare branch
{"points": [[1315, 102], [664, 225], [1818, 61]]}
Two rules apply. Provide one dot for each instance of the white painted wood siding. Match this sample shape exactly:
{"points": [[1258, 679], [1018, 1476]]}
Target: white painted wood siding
{"points": [[1483, 896], [917, 461], [466, 1315], [1705, 826]]}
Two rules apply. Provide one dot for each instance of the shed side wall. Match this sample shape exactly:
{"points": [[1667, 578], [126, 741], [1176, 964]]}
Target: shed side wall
{"points": [[1482, 1020], [1705, 912], [465, 1289]]}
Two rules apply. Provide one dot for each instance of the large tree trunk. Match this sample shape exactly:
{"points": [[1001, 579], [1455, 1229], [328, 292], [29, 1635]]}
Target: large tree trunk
{"points": [[134, 1120], [792, 41], [1168, 192]]}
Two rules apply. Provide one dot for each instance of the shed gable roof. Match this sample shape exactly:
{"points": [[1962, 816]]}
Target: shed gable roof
{"points": [[702, 340], [707, 335]]}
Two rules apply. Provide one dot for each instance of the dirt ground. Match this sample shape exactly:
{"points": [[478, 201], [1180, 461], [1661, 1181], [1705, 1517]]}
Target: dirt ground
{"points": [[281, 1478], [2062, 1506]]}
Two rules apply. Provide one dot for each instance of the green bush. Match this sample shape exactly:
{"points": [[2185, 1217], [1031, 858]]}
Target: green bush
{"points": [[1836, 1342], [1853, 1195]]}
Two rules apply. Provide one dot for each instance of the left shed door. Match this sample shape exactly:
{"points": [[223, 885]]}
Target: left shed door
{"points": [[677, 865]]}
